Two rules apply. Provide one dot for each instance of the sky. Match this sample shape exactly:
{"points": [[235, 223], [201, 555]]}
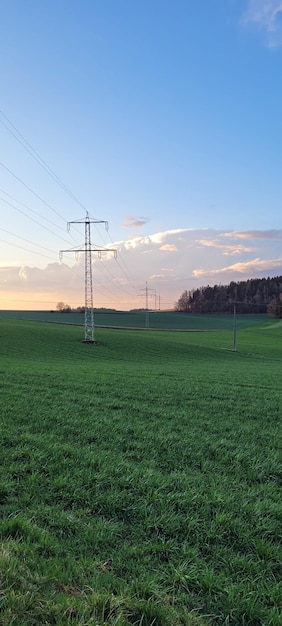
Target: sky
{"points": [[160, 117]]}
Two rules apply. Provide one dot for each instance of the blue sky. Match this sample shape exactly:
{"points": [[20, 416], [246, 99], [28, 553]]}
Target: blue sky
{"points": [[162, 117]]}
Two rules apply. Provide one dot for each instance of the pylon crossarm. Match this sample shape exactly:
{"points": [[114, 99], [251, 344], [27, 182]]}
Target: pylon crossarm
{"points": [[89, 250], [88, 220]]}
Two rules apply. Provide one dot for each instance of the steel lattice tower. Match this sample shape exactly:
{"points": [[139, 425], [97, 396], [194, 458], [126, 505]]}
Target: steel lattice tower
{"points": [[146, 289], [88, 311], [88, 249]]}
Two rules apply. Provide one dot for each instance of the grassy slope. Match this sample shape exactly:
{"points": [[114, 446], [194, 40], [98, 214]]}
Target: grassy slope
{"points": [[153, 319], [141, 478]]}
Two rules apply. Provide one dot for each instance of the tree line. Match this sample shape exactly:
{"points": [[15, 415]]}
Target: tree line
{"points": [[256, 295], [62, 307]]}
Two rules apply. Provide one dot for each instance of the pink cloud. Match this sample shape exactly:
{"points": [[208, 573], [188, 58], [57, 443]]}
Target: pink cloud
{"points": [[248, 267], [134, 222]]}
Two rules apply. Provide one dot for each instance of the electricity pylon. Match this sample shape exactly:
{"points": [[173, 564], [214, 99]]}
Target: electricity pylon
{"points": [[146, 289], [157, 295], [88, 305]]}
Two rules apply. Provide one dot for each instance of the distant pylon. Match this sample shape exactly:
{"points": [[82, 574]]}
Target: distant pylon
{"points": [[146, 289], [88, 303], [157, 296]]}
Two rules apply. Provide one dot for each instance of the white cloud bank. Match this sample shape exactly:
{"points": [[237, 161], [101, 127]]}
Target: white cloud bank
{"points": [[266, 15], [170, 262]]}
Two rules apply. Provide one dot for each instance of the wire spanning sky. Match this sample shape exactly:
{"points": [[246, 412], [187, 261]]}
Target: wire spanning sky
{"points": [[163, 118]]}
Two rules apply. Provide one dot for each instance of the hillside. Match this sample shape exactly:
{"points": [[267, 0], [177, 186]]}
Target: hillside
{"points": [[251, 296]]}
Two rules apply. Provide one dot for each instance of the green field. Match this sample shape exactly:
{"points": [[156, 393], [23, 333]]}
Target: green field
{"points": [[141, 477], [141, 319]]}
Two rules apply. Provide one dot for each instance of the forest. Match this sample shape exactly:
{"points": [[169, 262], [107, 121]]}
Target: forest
{"points": [[256, 295]]}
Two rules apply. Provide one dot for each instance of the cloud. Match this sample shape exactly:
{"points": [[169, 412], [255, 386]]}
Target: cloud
{"points": [[156, 276], [167, 270], [249, 267], [169, 247], [266, 16], [274, 234], [53, 276], [170, 261], [134, 222], [120, 281], [26, 287], [164, 274], [157, 238], [226, 248]]}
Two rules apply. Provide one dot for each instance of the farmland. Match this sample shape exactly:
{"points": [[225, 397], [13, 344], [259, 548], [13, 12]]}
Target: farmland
{"points": [[142, 319], [141, 477]]}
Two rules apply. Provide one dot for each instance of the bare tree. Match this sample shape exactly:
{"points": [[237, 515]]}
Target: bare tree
{"points": [[63, 308]]}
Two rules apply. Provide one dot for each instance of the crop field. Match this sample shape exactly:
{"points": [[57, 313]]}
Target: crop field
{"points": [[141, 477], [143, 319]]}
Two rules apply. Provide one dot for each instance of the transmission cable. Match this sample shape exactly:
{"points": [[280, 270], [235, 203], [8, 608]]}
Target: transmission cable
{"points": [[29, 148], [33, 220], [113, 277], [30, 209], [26, 249], [128, 275], [36, 156]]}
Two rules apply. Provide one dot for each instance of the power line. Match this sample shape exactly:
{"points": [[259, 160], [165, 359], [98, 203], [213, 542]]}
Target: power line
{"points": [[27, 240], [105, 289], [125, 265], [113, 277], [22, 300], [32, 219], [36, 156], [70, 269], [30, 209], [9, 243], [26, 249], [31, 190], [128, 274], [29, 148]]}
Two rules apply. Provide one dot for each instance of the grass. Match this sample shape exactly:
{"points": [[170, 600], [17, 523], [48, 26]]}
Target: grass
{"points": [[141, 477], [152, 319]]}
